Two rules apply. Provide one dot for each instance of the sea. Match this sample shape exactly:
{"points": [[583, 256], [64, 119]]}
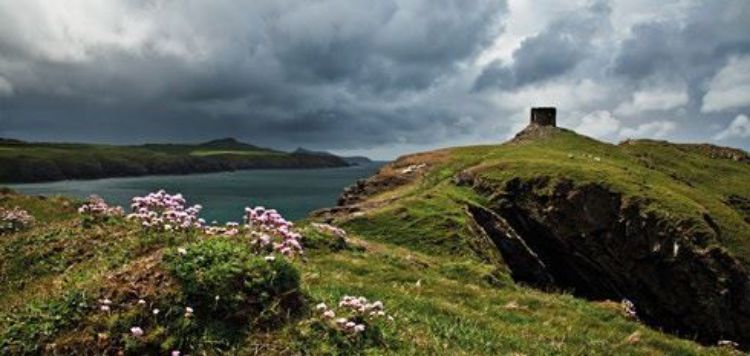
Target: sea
{"points": [[293, 192]]}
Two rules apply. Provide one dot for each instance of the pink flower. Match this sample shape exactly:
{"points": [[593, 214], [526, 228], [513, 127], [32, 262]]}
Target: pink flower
{"points": [[359, 328], [329, 314], [136, 331]]}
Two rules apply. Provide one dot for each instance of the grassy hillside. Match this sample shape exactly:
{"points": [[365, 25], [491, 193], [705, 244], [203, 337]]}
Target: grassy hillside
{"points": [[56, 274], [409, 243], [671, 179], [32, 162], [649, 221]]}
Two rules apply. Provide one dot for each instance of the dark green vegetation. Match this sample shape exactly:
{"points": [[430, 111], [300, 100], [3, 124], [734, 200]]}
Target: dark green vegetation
{"points": [[34, 162], [413, 242]]}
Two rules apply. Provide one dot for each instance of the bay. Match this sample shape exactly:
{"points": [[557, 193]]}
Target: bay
{"points": [[293, 192]]}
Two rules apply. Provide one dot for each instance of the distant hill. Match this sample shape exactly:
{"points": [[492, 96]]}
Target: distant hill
{"points": [[351, 160], [35, 162]]}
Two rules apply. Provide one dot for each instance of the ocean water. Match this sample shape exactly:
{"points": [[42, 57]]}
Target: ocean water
{"points": [[293, 192]]}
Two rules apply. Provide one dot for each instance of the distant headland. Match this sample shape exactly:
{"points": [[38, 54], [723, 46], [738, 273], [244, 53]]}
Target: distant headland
{"points": [[22, 162]]}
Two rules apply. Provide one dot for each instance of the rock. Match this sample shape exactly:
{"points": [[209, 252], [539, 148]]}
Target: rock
{"points": [[600, 246]]}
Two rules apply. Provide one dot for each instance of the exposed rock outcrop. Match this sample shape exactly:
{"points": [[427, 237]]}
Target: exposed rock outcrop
{"points": [[599, 245]]}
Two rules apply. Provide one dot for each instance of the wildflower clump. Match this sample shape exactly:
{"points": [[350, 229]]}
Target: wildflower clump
{"points": [[353, 324], [164, 212], [96, 210], [15, 219], [271, 232], [229, 229]]}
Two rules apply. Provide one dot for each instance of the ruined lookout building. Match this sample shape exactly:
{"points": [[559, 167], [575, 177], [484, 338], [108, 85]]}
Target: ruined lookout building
{"points": [[544, 116]]}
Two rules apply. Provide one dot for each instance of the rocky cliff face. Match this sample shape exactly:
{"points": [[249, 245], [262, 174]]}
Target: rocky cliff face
{"points": [[593, 242]]}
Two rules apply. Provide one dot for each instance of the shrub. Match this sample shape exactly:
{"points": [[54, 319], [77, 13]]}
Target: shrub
{"points": [[16, 219], [324, 236], [223, 279]]}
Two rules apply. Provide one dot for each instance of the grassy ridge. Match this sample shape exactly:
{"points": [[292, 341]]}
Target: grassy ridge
{"points": [[32, 162], [675, 181]]}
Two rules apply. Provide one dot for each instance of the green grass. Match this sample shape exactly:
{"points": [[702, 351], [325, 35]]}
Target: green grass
{"points": [[675, 183], [54, 273], [416, 254]]}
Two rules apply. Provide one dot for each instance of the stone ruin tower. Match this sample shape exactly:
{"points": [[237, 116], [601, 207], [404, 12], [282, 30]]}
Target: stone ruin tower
{"points": [[544, 116]]}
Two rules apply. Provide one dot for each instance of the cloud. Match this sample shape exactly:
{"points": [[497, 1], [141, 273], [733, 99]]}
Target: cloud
{"points": [[353, 72], [654, 99], [6, 89], [363, 76], [599, 124], [730, 88], [654, 129], [738, 128], [553, 52], [691, 47]]}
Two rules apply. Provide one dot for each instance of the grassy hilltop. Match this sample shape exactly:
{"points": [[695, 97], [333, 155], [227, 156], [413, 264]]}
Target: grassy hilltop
{"points": [[420, 237], [32, 162]]}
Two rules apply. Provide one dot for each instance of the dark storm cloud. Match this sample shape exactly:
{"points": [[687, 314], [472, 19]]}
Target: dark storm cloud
{"points": [[694, 47], [265, 68]]}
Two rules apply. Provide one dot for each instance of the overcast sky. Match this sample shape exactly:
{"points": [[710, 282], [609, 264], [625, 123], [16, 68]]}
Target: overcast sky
{"points": [[380, 78]]}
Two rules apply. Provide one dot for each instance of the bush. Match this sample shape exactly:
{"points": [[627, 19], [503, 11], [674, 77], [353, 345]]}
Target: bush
{"points": [[324, 237], [224, 280]]}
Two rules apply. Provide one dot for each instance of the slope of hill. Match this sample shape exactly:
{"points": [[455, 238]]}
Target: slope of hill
{"points": [[665, 226], [527, 247], [33, 162]]}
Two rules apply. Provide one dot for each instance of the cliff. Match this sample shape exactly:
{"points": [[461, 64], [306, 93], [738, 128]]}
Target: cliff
{"points": [[664, 226]]}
